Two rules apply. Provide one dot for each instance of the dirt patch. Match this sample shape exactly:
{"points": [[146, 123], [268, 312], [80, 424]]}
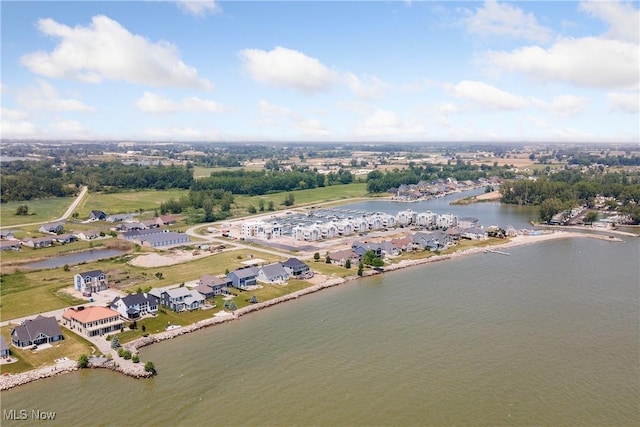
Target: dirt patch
{"points": [[170, 258]]}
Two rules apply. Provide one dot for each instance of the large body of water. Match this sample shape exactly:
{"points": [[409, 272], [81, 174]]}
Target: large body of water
{"points": [[547, 336]]}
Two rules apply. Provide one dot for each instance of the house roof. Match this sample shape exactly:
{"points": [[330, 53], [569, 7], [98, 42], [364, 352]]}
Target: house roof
{"points": [[38, 239], [209, 280], [31, 328], [139, 298], [90, 314], [244, 273], [3, 344], [274, 270], [203, 289], [92, 273], [52, 225], [164, 237], [177, 292], [294, 263], [343, 254], [167, 218]]}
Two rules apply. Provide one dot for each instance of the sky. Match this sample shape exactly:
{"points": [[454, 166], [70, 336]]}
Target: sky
{"points": [[331, 71]]}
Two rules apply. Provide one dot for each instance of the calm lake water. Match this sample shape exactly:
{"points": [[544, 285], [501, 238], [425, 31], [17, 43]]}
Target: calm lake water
{"points": [[546, 336], [76, 258]]}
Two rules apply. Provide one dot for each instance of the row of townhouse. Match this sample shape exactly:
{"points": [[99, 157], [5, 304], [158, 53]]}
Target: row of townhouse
{"points": [[98, 215], [376, 221], [10, 242], [433, 240]]}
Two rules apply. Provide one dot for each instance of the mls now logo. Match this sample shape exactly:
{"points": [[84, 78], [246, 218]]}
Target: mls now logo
{"points": [[23, 414]]}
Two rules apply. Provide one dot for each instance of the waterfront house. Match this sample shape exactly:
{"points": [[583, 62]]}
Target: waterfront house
{"points": [[7, 235], [389, 249], [427, 241], [243, 278], [65, 238], [362, 248], [88, 235], [38, 242], [210, 286], [135, 306], [341, 257], [273, 273], [297, 269], [96, 215], [89, 282], [5, 351], [405, 244], [179, 299], [92, 321], [9, 245], [41, 330], [53, 228]]}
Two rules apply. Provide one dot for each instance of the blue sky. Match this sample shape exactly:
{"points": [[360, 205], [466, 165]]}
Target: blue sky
{"points": [[321, 71]]}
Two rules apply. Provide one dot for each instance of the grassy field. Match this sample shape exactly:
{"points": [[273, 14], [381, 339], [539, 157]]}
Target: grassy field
{"points": [[72, 347], [39, 211], [126, 202], [25, 293], [304, 197]]}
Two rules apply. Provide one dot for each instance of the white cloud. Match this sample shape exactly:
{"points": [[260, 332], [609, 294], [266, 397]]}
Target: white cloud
{"points": [[487, 96], [69, 127], [18, 129], [12, 115], [387, 123], [312, 127], [43, 96], [623, 18], [563, 105], [268, 109], [284, 67], [106, 50], [588, 61], [273, 114], [501, 19], [370, 87], [182, 133], [624, 102], [199, 8], [288, 68], [154, 103]]}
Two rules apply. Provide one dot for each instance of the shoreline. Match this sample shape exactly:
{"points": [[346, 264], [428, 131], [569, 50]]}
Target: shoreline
{"points": [[8, 381]]}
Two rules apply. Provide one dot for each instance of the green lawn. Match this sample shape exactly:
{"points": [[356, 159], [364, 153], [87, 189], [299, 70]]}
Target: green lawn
{"points": [[166, 317], [39, 211], [72, 347], [126, 202], [25, 293], [303, 197]]}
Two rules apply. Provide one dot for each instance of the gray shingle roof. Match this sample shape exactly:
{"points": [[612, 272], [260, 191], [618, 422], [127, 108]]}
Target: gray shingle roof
{"points": [[31, 328]]}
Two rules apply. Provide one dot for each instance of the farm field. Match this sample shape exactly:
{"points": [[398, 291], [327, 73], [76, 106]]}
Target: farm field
{"points": [[127, 202], [305, 197], [41, 210]]}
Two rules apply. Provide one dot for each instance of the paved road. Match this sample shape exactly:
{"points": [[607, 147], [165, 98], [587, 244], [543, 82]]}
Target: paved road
{"points": [[66, 215]]}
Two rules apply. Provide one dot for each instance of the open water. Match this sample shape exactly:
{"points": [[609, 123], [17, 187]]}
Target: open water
{"points": [[547, 336]]}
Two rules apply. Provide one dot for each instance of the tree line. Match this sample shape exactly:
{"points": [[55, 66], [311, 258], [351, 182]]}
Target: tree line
{"points": [[566, 189]]}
